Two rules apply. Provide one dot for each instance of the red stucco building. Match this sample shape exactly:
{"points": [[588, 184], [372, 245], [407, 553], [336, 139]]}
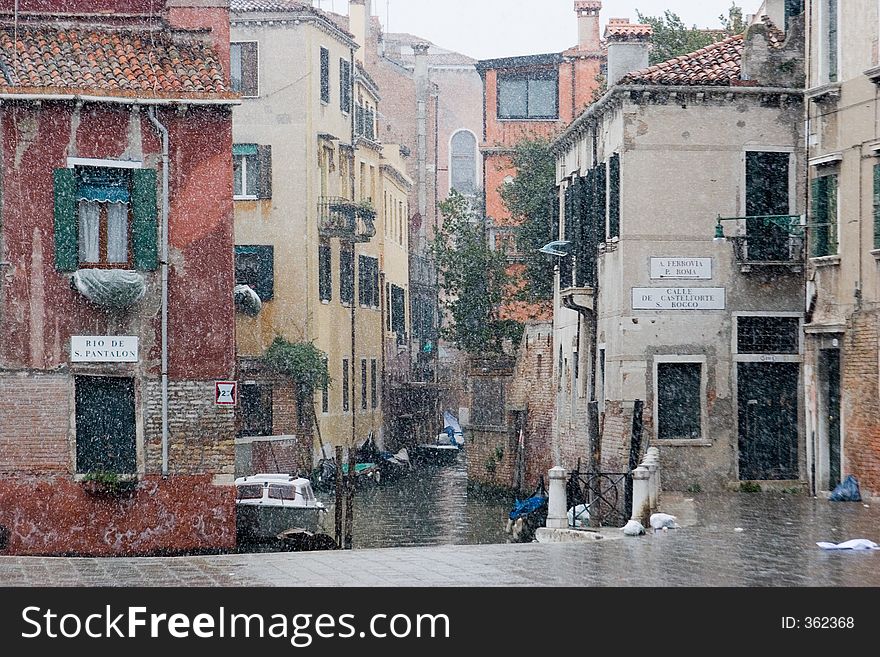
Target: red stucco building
{"points": [[115, 119]]}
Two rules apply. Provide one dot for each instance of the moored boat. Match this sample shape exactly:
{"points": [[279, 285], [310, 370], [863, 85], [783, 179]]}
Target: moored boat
{"points": [[268, 504]]}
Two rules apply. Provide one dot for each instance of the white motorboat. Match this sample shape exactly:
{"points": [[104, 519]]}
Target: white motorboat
{"points": [[268, 504]]}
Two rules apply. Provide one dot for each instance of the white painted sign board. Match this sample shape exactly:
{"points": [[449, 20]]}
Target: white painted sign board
{"points": [[678, 298], [225, 393], [103, 348], [697, 268]]}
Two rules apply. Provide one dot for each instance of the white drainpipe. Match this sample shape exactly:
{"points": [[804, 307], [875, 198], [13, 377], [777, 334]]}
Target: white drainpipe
{"points": [[163, 131]]}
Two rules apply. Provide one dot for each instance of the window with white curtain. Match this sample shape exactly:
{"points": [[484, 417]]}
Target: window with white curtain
{"points": [[103, 215]]}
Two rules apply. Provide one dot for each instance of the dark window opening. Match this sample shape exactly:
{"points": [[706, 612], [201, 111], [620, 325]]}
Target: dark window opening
{"points": [[325, 392], [767, 335], [678, 400], [255, 267], [256, 410], [397, 307], [767, 195], [105, 425]]}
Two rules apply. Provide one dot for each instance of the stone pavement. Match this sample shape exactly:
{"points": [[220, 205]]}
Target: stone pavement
{"points": [[775, 547]]}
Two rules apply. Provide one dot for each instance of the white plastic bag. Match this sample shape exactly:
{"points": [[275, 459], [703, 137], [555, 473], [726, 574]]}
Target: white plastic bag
{"points": [[579, 516], [663, 521], [633, 528]]}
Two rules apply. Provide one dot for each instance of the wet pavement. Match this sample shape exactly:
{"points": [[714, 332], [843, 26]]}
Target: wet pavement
{"points": [[775, 547]]}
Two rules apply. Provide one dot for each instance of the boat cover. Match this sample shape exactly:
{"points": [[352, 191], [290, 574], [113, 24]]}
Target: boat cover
{"points": [[115, 288]]}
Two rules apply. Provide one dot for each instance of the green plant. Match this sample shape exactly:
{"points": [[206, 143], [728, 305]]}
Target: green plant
{"points": [[490, 465], [499, 453], [106, 482], [301, 361], [695, 488], [749, 487]]}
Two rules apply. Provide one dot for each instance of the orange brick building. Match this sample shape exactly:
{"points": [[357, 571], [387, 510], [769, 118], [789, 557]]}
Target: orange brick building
{"points": [[530, 97]]}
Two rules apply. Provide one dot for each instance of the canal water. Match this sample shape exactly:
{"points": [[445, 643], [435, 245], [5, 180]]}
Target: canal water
{"points": [[431, 506]]}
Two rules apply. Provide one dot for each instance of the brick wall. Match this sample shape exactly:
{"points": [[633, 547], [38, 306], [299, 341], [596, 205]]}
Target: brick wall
{"points": [[529, 401], [56, 515], [201, 434], [861, 406], [34, 419]]}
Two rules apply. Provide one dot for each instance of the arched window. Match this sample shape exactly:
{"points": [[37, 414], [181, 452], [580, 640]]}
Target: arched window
{"points": [[463, 175]]}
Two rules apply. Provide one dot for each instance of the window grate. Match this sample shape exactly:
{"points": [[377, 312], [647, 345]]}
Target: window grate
{"points": [[767, 335]]}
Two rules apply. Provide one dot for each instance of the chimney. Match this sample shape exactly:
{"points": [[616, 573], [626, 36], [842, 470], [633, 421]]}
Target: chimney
{"points": [[628, 45], [359, 24], [211, 15], [588, 24]]}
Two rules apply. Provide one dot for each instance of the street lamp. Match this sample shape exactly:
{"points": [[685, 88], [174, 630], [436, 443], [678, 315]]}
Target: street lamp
{"points": [[558, 248], [795, 224]]}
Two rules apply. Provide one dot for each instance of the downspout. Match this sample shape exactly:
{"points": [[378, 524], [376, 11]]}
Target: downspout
{"points": [[163, 131]]}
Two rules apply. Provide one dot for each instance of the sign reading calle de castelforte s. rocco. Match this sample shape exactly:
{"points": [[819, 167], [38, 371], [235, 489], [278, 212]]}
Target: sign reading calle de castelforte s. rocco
{"points": [[103, 348], [699, 268], [678, 298]]}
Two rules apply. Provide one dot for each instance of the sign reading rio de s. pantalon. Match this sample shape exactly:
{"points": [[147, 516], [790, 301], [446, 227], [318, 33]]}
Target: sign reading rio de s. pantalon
{"points": [[103, 349]]}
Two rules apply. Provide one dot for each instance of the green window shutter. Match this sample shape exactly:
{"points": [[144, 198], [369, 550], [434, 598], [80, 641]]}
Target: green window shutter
{"points": [[819, 236], [264, 162], [66, 238], [877, 206], [614, 196], [144, 228]]}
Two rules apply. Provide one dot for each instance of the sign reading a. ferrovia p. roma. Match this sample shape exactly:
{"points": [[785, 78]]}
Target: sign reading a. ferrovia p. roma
{"points": [[681, 268]]}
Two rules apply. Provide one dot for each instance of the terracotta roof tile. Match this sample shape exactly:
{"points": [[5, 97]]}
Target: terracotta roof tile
{"points": [[718, 64], [267, 5], [136, 62], [619, 29]]}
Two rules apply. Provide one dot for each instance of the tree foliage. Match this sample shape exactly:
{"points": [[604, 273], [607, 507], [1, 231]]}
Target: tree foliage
{"points": [[672, 38], [531, 199], [474, 280]]}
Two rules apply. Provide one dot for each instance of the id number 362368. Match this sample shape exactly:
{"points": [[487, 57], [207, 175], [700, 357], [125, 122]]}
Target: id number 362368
{"points": [[818, 623]]}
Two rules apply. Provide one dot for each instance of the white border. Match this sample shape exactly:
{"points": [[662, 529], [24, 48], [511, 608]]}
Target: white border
{"points": [[704, 410]]}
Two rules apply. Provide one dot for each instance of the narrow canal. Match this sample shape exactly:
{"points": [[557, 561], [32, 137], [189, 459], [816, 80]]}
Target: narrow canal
{"points": [[431, 506]]}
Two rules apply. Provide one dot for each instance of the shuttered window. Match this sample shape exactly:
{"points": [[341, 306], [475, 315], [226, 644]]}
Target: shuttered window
{"points": [[346, 274], [345, 85], [363, 384], [823, 233], [346, 384], [325, 272], [325, 75], [105, 217], [374, 384], [832, 17], [251, 171], [877, 206], [397, 308], [614, 196], [243, 68], [368, 281]]}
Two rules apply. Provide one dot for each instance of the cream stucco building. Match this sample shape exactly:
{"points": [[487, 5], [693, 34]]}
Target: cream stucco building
{"points": [[312, 229], [651, 311], [843, 281]]}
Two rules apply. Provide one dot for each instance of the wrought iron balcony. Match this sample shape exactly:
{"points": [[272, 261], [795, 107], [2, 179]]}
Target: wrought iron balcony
{"points": [[347, 220], [759, 251], [770, 241]]}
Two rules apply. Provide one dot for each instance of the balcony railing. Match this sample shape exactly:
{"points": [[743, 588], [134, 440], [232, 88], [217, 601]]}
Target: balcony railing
{"points": [[347, 220], [782, 250]]}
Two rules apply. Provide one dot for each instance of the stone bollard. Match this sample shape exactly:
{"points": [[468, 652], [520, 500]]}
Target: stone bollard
{"points": [[651, 465], [640, 501], [557, 505], [657, 486]]}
